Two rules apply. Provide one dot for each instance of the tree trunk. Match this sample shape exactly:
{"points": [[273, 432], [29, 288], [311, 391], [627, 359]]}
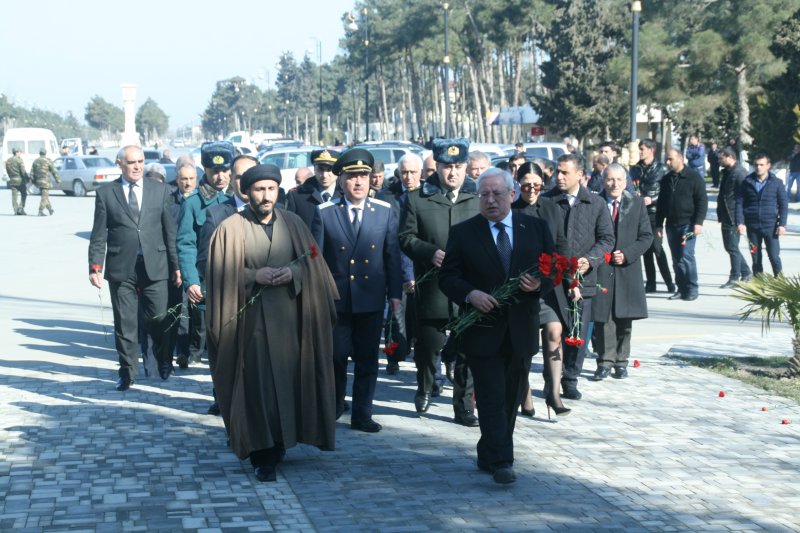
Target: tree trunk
{"points": [[480, 110], [385, 122], [743, 107], [517, 88], [415, 95], [794, 362]]}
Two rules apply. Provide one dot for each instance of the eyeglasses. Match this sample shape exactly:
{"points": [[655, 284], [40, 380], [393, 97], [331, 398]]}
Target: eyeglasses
{"points": [[528, 186], [492, 194]]}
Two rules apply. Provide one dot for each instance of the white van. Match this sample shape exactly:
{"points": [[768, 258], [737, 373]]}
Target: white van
{"points": [[29, 141]]}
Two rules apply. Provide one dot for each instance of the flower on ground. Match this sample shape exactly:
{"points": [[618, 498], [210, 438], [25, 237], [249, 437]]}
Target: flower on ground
{"points": [[636, 363], [722, 394]]}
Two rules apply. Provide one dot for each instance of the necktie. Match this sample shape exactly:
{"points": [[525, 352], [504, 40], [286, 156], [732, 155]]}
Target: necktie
{"points": [[615, 211], [326, 196], [356, 223], [133, 203], [503, 246], [450, 196]]}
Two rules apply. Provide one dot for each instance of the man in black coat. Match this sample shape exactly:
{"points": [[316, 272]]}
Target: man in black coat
{"points": [[445, 199], [134, 229], [482, 254], [647, 175], [589, 235], [621, 298], [303, 200], [682, 205], [733, 175]]}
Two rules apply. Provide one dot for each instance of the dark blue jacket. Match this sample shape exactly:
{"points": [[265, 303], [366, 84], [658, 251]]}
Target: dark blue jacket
{"points": [[765, 210], [696, 158], [366, 268]]}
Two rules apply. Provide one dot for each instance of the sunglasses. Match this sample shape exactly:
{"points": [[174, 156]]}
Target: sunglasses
{"points": [[528, 186]]}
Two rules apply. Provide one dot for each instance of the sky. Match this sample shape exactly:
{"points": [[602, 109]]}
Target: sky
{"points": [[57, 55]]}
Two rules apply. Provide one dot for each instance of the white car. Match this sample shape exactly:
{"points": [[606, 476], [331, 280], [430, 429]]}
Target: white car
{"points": [[492, 149], [289, 160], [544, 150]]}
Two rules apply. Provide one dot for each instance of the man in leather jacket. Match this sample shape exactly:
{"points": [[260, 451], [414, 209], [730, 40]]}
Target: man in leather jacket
{"points": [[646, 176], [733, 175]]}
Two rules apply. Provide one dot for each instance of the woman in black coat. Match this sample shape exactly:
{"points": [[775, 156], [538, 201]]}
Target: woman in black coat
{"points": [[531, 182]]}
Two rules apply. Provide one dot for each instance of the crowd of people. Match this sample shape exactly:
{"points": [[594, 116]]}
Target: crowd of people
{"points": [[281, 290]]}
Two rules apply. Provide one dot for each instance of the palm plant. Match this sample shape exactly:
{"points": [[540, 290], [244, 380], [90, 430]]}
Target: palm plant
{"points": [[774, 299]]}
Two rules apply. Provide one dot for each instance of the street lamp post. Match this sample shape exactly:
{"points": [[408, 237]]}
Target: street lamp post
{"points": [[365, 13], [636, 8], [446, 61]]}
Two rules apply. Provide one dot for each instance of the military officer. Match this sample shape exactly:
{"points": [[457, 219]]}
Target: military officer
{"points": [[216, 159], [17, 181], [41, 170], [357, 236], [445, 199], [320, 188]]}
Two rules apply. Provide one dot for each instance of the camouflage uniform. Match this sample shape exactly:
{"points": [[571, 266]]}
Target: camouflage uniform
{"points": [[40, 172], [18, 181]]}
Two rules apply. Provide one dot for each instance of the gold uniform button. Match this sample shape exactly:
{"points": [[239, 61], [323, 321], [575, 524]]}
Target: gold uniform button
{"points": [[352, 278], [352, 261], [372, 246], [343, 248], [366, 277], [366, 261]]}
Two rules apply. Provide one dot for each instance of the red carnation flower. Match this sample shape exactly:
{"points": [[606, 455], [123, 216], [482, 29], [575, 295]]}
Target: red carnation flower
{"points": [[573, 264], [636, 363], [575, 283], [785, 421], [545, 264], [607, 257], [314, 251], [558, 278], [390, 348], [562, 263], [722, 394], [764, 408]]}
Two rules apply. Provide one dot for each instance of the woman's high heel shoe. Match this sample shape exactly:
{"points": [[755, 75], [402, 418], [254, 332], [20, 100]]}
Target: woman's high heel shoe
{"points": [[527, 412], [560, 410]]}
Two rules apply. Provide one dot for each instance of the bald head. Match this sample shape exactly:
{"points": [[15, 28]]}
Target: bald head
{"points": [[302, 174], [675, 160]]}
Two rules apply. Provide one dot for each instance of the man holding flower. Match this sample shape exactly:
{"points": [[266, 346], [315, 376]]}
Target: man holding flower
{"points": [[483, 254]]}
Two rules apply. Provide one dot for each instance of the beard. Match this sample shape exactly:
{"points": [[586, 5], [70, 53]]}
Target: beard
{"points": [[263, 209]]}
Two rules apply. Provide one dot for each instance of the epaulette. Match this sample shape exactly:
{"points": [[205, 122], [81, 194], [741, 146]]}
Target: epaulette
{"points": [[380, 202], [325, 205]]}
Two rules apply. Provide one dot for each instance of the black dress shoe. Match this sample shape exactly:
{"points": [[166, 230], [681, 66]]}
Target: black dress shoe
{"points": [[728, 284], [690, 298], [124, 384], [486, 467], [422, 402], [213, 409], [449, 372], [183, 362], [466, 419], [368, 425], [601, 373], [747, 278], [676, 296], [165, 370], [392, 368], [650, 288], [266, 473], [620, 372], [504, 475]]}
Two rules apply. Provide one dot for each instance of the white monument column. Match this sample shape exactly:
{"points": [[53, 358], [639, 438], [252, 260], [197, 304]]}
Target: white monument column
{"points": [[129, 136]]}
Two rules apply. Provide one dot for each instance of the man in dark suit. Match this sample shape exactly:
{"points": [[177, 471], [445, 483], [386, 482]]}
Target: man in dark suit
{"points": [[482, 254], [621, 299], [135, 231], [303, 200], [357, 237]]}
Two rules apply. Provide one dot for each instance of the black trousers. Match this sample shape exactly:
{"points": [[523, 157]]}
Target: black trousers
{"points": [[430, 341], [125, 305], [656, 255], [730, 240], [197, 330], [357, 335], [500, 381], [612, 341], [765, 238], [574, 355]]}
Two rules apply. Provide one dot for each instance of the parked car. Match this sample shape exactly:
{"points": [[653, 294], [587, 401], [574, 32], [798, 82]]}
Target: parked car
{"points": [[84, 173], [152, 156], [288, 160], [492, 149], [390, 152], [544, 150]]}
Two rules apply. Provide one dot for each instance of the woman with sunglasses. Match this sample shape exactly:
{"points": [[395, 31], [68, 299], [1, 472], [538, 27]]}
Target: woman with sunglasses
{"points": [[531, 181]]}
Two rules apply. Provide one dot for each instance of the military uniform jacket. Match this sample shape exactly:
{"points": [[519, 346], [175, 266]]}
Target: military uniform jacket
{"points": [[303, 200], [633, 235], [425, 228], [365, 267], [41, 170], [118, 236], [190, 222], [15, 168]]}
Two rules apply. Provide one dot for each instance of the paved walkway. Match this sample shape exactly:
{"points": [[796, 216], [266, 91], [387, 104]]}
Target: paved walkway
{"points": [[660, 451]]}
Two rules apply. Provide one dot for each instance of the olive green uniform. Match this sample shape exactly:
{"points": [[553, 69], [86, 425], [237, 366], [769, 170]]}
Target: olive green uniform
{"points": [[40, 172], [18, 181]]}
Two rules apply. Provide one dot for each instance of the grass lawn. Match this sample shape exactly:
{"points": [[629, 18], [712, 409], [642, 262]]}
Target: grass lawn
{"points": [[761, 372]]}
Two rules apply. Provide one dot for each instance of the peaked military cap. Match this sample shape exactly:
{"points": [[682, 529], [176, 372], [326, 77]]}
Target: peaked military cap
{"points": [[217, 155], [259, 173], [354, 160], [449, 151], [324, 157]]}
